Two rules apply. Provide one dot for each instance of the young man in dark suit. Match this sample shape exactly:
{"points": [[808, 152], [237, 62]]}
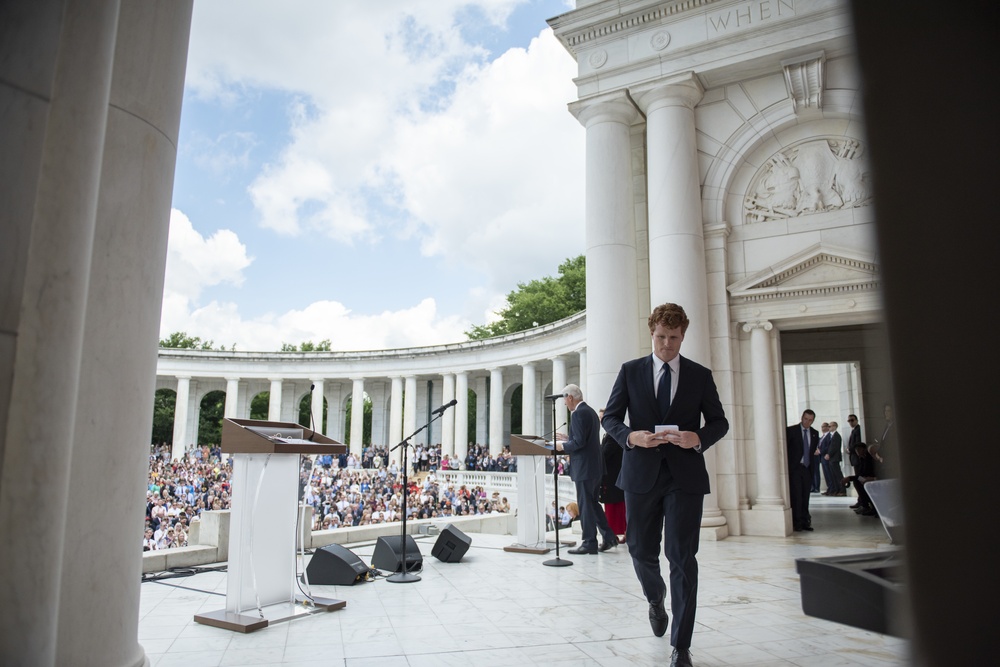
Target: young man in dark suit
{"points": [[586, 470], [801, 440], [663, 470]]}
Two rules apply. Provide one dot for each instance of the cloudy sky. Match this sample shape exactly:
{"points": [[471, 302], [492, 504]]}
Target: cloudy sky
{"points": [[379, 174]]}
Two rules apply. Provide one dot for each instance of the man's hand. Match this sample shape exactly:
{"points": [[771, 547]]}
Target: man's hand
{"points": [[683, 439]]}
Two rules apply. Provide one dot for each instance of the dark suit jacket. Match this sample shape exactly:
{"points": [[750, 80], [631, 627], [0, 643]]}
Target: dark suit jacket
{"points": [[584, 445], [836, 449], [696, 396], [794, 444], [854, 438]]}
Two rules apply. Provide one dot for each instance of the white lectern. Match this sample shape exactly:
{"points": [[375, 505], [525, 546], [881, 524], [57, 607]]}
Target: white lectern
{"points": [[531, 452], [262, 587]]}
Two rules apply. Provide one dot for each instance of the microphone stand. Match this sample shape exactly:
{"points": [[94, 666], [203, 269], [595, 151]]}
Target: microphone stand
{"points": [[404, 577], [557, 561]]}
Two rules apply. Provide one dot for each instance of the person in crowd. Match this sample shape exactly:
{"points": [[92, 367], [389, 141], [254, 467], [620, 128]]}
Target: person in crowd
{"points": [[801, 442], [833, 456], [665, 397], [817, 458], [855, 435], [612, 497], [864, 472], [584, 447]]}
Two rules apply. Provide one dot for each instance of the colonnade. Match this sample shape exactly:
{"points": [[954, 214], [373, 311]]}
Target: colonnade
{"points": [[401, 403]]}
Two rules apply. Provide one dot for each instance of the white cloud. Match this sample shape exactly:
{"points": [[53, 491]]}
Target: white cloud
{"points": [[195, 263], [399, 128]]}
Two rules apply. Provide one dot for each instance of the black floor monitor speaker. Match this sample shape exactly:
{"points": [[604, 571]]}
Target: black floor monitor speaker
{"points": [[388, 554], [451, 545], [334, 565]]}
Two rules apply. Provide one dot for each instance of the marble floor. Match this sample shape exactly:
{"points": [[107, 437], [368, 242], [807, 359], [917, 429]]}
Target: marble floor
{"points": [[496, 608]]}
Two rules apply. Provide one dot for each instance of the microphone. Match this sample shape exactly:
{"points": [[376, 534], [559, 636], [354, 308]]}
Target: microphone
{"points": [[553, 397], [440, 411]]}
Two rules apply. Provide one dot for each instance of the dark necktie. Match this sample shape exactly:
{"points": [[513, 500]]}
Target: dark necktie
{"points": [[805, 447], [663, 391]]}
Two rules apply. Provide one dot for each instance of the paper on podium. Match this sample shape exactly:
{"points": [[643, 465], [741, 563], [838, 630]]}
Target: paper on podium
{"points": [[261, 436]]}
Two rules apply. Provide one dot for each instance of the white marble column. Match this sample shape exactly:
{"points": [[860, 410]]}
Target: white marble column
{"points": [[765, 432], [462, 415], [496, 410], [482, 410], [528, 399], [100, 568], [409, 405], [448, 418], [316, 406], [558, 382], [232, 397], [55, 79], [181, 405], [601, 398], [274, 400], [612, 291], [335, 412], [395, 417], [357, 415], [677, 271]]}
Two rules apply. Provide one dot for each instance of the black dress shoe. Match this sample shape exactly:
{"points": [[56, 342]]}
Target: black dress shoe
{"points": [[608, 544], [582, 550], [681, 658], [658, 618], [809, 528]]}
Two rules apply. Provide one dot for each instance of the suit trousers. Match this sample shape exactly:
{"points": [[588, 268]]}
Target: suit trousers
{"points": [[799, 487], [592, 516], [669, 515]]}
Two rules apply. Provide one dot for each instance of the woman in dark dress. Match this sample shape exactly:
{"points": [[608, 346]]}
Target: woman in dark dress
{"points": [[612, 497]]}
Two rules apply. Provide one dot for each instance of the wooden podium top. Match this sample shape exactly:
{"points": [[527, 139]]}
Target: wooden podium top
{"points": [[529, 445], [256, 436]]}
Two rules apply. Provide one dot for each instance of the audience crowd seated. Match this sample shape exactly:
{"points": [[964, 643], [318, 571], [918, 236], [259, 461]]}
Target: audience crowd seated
{"points": [[344, 490]]}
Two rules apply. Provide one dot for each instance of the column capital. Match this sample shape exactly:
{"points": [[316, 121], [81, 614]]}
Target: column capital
{"points": [[529, 364], [682, 90], [766, 325], [616, 107]]}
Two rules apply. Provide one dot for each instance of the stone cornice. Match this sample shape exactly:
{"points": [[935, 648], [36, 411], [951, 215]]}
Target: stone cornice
{"points": [[608, 26]]}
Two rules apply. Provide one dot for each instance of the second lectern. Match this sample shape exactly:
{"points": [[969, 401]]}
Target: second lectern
{"points": [[531, 452]]}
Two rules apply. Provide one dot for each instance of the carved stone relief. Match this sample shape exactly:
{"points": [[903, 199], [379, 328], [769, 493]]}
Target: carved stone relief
{"points": [[811, 177]]}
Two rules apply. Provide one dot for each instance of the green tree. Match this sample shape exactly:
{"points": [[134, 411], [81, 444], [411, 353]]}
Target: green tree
{"points": [[164, 402], [305, 406], [259, 405], [307, 346], [213, 407], [540, 301], [180, 340]]}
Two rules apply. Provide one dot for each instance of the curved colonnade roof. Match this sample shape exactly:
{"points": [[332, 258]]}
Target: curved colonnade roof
{"points": [[565, 336]]}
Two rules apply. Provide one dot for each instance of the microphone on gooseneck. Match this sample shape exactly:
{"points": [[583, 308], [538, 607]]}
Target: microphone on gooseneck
{"points": [[438, 411], [553, 397]]}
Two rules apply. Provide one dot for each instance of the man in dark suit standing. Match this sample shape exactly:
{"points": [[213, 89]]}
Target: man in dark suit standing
{"points": [[663, 469], [801, 441], [586, 470], [833, 456], [855, 435]]}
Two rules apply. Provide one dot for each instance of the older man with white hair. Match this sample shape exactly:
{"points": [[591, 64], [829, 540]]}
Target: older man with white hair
{"points": [[586, 469]]}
